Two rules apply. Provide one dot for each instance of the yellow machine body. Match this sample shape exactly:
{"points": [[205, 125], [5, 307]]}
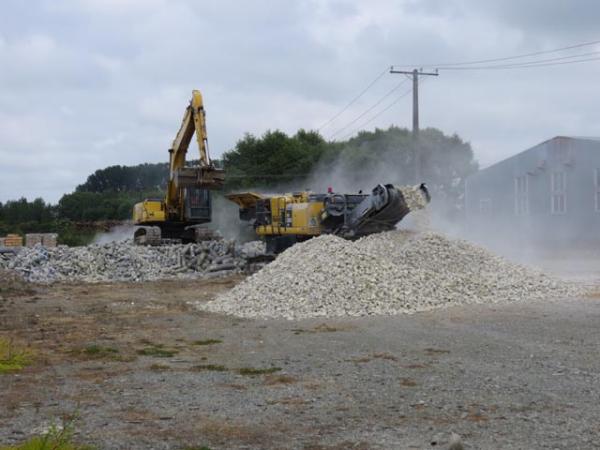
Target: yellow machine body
{"points": [[290, 214], [149, 211], [285, 219]]}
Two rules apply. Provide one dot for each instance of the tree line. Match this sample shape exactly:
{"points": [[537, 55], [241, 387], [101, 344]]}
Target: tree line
{"points": [[273, 161]]}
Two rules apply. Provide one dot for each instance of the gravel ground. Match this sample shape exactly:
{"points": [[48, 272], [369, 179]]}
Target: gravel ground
{"points": [[519, 375], [384, 274]]}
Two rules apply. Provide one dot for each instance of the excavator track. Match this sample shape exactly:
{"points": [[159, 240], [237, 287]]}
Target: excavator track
{"points": [[147, 236]]}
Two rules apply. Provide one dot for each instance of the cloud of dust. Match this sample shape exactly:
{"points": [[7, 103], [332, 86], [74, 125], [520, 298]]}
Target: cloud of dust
{"points": [[118, 233], [225, 219]]}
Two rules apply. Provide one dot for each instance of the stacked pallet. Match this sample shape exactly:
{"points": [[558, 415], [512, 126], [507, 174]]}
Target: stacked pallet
{"points": [[49, 239], [33, 239], [45, 239], [13, 240]]}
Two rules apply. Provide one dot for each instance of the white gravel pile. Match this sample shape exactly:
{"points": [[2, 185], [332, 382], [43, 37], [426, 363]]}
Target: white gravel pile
{"points": [[124, 261], [383, 274]]}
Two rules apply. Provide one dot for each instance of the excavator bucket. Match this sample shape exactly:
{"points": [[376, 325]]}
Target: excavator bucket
{"points": [[199, 177]]}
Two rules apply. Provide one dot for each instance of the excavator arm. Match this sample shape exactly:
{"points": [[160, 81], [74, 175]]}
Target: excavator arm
{"points": [[187, 203], [205, 175]]}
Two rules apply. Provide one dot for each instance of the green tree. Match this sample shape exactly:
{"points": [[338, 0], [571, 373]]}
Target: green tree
{"points": [[272, 159]]}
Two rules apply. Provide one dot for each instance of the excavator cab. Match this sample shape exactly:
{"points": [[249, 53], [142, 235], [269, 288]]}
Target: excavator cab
{"points": [[197, 204]]}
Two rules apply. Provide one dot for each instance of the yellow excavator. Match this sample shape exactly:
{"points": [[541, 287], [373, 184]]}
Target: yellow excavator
{"points": [[284, 219], [187, 203]]}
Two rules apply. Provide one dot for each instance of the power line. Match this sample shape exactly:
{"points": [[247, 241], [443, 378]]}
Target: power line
{"points": [[364, 124], [508, 58], [356, 119], [371, 84], [522, 66]]}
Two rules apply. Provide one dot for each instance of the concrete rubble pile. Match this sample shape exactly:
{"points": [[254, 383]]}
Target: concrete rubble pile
{"points": [[383, 274], [123, 261]]}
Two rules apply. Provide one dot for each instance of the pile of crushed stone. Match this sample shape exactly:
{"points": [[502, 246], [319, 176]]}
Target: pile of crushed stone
{"points": [[383, 274], [124, 261]]}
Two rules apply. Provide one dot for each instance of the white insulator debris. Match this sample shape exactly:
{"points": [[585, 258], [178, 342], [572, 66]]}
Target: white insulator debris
{"points": [[124, 261]]}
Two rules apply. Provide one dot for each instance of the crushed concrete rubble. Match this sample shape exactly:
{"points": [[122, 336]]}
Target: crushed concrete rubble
{"points": [[414, 198], [383, 274], [124, 261]]}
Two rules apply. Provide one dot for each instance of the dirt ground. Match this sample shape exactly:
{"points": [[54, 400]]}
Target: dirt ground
{"points": [[136, 366]]}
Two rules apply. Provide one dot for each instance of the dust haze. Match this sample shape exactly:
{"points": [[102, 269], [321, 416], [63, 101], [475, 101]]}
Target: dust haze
{"points": [[116, 234]]}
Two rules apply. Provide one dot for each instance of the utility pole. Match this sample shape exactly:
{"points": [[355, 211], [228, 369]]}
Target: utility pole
{"points": [[415, 119]]}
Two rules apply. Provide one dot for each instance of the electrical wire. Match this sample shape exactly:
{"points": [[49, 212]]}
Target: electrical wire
{"points": [[371, 84], [507, 58], [364, 124], [360, 116], [523, 65]]}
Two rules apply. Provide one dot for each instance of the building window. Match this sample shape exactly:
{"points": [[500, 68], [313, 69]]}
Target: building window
{"points": [[485, 206], [521, 196], [597, 189], [558, 203]]}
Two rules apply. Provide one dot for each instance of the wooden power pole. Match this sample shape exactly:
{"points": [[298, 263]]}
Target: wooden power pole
{"points": [[415, 119]]}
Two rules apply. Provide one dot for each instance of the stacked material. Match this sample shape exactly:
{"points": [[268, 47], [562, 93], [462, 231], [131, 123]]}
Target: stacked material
{"points": [[123, 261], [45, 239], [383, 274], [33, 239], [13, 240], [49, 239]]}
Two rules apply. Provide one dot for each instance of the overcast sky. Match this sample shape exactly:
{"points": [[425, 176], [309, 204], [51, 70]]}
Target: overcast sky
{"points": [[91, 83]]}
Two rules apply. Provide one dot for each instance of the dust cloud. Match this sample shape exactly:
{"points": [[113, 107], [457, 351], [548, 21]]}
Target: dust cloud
{"points": [[116, 234]]}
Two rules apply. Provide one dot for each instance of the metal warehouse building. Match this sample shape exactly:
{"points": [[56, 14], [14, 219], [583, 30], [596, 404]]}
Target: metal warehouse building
{"points": [[550, 191]]}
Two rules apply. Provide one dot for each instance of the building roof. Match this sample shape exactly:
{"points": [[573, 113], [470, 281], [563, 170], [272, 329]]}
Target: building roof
{"points": [[582, 138], [577, 138]]}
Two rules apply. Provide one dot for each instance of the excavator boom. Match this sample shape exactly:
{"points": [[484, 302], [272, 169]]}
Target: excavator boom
{"points": [[187, 202], [205, 175]]}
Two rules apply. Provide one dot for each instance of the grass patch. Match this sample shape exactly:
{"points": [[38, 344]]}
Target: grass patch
{"points": [[95, 352], [322, 328], [56, 438], [271, 380], [250, 371], [407, 382], [157, 351], [435, 351], [325, 328], [13, 358], [210, 367], [159, 367], [369, 358], [385, 355], [360, 359], [207, 342]]}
